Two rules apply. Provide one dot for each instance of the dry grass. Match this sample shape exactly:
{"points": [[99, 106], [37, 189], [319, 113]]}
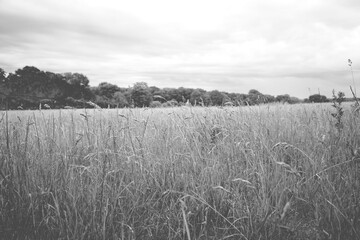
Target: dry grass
{"points": [[264, 172]]}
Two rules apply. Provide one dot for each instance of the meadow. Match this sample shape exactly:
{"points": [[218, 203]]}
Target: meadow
{"points": [[262, 172]]}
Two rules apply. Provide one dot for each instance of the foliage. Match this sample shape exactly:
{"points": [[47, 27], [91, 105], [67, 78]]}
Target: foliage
{"points": [[102, 101], [70, 101], [171, 103], [76, 79], [120, 99], [2, 75], [195, 97], [140, 94], [255, 97], [317, 98], [239, 99], [269, 98], [218, 98], [286, 98], [155, 104], [200, 97], [106, 89], [283, 98], [185, 93], [28, 86]]}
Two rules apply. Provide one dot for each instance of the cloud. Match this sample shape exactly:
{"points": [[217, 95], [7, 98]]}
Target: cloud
{"points": [[276, 46]]}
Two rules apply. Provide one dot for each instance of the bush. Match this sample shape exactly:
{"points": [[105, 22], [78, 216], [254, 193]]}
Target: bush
{"points": [[155, 104], [171, 103], [317, 98]]}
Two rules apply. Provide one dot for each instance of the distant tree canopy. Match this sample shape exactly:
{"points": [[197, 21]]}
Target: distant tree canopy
{"points": [[120, 99], [218, 98], [28, 87], [141, 95], [317, 98], [106, 90], [76, 79], [2, 74]]}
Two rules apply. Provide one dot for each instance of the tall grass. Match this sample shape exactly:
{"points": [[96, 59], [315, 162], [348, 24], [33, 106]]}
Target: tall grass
{"points": [[264, 172]]}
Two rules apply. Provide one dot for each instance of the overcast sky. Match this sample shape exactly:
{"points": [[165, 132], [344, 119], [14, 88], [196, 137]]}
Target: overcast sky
{"points": [[274, 46]]}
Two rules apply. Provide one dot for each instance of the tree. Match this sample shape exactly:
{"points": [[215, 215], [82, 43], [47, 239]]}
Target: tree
{"points": [[58, 88], [171, 103], [294, 100], [195, 97], [2, 75], [317, 98], [155, 104], [283, 98], [102, 101], [78, 85], [173, 93], [141, 95], [154, 90], [255, 97], [30, 83], [238, 98], [254, 92], [4, 90], [106, 89], [205, 98], [29, 86], [185, 94], [27, 79], [127, 95], [160, 95], [216, 97], [119, 99], [269, 98], [77, 79]]}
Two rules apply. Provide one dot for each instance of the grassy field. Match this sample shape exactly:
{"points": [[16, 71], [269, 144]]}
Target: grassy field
{"points": [[262, 172]]}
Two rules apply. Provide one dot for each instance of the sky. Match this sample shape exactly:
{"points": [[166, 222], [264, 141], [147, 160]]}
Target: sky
{"points": [[275, 46]]}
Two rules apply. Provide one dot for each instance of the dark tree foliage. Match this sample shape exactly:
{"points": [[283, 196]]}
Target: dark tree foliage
{"points": [[195, 97], [28, 79], [283, 98], [286, 98], [317, 98], [155, 104], [238, 99], [185, 93], [106, 89], [4, 91], [120, 99], [103, 101], [255, 97], [269, 98], [76, 79], [167, 94], [219, 98], [78, 86], [141, 95], [28, 87], [206, 98], [173, 94], [216, 98], [153, 89], [2, 74]]}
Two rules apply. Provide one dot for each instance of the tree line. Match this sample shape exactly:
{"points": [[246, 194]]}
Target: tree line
{"points": [[30, 88]]}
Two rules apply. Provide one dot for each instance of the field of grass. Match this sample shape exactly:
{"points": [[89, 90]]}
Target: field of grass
{"points": [[262, 172]]}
